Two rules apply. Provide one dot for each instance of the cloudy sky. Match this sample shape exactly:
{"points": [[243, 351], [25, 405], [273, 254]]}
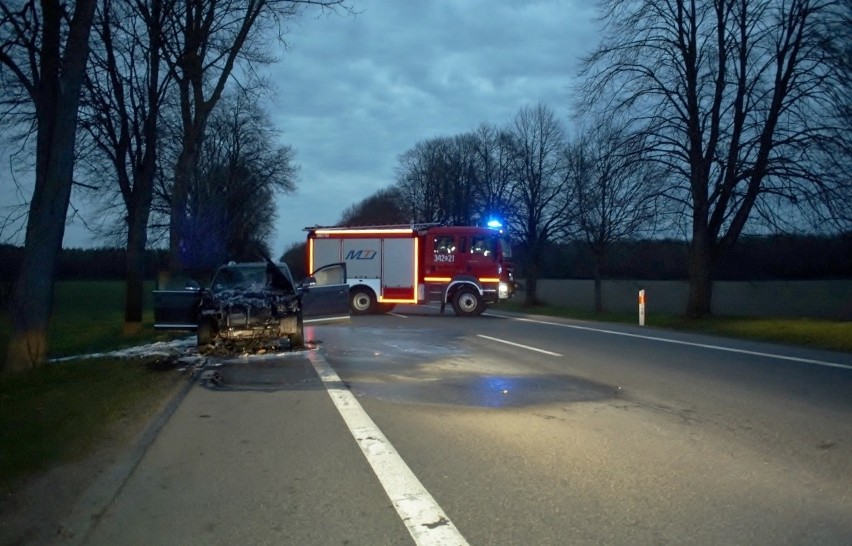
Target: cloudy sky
{"points": [[355, 92]]}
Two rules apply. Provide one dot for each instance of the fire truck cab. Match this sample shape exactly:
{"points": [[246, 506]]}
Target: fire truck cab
{"points": [[463, 266]]}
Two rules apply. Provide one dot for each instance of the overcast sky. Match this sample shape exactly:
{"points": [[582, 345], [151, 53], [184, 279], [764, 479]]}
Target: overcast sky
{"points": [[355, 92]]}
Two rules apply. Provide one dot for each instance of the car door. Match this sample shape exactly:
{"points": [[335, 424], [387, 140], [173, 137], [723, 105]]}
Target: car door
{"points": [[176, 309], [326, 297]]}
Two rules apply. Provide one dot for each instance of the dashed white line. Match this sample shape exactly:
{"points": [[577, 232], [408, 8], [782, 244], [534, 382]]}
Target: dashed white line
{"points": [[527, 347], [426, 521], [688, 343]]}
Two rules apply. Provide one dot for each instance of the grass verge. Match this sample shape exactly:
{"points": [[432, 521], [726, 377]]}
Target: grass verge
{"points": [[813, 333], [62, 412]]}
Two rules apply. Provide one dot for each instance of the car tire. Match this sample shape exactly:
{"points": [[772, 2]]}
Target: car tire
{"points": [[362, 301], [468, 303], [297, 340], [204, 333]]}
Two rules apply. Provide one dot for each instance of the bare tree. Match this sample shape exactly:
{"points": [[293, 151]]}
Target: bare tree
{"points": [[384, 207], [738, 99], [616, 192], [202, 46], [231, 204], [541, 186], [493, 185], [125, 91], [43, 51], [420, 179]]}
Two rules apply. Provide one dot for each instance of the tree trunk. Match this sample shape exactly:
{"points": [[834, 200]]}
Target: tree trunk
{"points": [[135, 262], [184, 173], [700, 275], [178, 212], [532, 272], [598, 295], [531, 283], [599, 263], [56, 102]]}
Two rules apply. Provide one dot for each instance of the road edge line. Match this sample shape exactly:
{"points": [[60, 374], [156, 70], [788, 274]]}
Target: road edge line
{"points": [[427, 523]]}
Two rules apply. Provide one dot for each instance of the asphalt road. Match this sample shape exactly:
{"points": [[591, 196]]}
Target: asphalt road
{"points": [[421, 428]]}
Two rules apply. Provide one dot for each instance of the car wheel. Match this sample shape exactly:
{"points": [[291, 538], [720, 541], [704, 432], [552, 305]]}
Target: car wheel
{"points": [[467, 303], [204, 333], [362, 301], [297, 340]]}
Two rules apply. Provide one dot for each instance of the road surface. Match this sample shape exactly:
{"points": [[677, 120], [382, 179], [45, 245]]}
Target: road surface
{"points": [[421, 428]]}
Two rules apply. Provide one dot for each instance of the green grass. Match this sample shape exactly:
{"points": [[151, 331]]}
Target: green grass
{"points": [[813, 333], [63, 411]]}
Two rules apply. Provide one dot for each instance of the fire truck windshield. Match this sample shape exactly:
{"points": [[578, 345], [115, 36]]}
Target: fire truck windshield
{"points": [[507, 249]]}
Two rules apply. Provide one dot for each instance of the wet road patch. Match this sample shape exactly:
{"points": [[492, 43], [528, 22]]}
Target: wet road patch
{"points": [[287, 372], [486, 391]]}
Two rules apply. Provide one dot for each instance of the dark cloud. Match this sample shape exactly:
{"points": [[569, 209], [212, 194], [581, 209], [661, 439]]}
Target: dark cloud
{"points": [[356, 92]]}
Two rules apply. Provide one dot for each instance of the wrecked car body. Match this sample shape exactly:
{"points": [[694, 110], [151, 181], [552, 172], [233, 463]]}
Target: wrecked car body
{"points": [[254, 300]]}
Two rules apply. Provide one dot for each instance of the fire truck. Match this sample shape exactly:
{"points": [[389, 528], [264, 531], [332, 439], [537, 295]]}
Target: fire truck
{"points": [[465, 267]]}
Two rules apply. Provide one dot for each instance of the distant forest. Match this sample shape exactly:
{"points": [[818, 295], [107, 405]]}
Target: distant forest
{"points": [[781, 257], [753, 258], [84, 264]]}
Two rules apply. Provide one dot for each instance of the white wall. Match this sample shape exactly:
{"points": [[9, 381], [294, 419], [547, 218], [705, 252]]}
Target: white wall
{"points": [[813, 299]]}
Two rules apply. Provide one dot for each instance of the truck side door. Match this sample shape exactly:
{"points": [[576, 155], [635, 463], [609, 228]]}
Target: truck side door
{"points": [[444, 261]]}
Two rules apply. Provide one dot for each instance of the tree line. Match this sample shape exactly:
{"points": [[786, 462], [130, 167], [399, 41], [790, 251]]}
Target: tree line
{"points": [[85, 263], [776, 257], [132, 93]]}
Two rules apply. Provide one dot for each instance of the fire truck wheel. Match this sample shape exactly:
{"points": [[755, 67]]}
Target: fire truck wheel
{"points": [[467, 303], [362, 301]]}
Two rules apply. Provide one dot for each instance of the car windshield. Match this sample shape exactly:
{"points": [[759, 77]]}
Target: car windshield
{"points": [[254, 277]]}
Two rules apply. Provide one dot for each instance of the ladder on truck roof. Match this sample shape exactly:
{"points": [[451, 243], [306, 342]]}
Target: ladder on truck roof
{"points": [[413, 227]]}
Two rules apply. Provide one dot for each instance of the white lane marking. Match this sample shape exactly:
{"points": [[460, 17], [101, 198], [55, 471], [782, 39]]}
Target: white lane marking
{"points": [[425, 520], [398, 315], [689, 343], [519, 345]]}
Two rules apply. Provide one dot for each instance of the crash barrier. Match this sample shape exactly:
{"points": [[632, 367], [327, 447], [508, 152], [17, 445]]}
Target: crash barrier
{"points": [[831, 299]]}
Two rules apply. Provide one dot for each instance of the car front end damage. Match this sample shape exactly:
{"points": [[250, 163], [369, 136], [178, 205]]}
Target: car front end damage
{"points": [[244, 314]]}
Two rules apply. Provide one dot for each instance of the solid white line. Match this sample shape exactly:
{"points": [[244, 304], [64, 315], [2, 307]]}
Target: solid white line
{"points": [[519, 345], [340, 318], [397, 315], [426, 521], [689, 343]]}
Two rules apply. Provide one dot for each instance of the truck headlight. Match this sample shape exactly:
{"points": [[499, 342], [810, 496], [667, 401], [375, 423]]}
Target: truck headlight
{"points": [[503, 291]]}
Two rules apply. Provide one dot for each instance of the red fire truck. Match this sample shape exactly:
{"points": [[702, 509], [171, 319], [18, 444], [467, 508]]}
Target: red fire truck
{"points": [[466, 267]]}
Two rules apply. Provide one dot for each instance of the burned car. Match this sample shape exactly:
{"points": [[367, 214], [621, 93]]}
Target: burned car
{"points": [[255, 300]]}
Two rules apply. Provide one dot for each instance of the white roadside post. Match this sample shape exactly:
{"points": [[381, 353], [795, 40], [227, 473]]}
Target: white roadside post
{"points": [[641, 308]]}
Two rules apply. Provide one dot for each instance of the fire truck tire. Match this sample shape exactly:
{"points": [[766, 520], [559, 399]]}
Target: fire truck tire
{"points": [[204, 333], [467, 303], [362, 301]]}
